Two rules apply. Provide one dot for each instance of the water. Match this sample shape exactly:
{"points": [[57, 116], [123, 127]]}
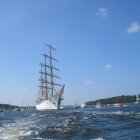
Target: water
{"points": [[107, 123]]}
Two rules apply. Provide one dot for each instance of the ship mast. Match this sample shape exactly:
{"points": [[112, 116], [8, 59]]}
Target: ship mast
{"points": [[43, 83], [47, 76], [51, 69]]}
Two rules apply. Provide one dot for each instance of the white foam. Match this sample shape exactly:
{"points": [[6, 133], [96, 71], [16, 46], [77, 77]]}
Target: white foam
{"points": [[100, 138], [14, 131]]}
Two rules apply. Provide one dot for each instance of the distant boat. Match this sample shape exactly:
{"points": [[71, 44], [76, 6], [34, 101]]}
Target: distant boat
{"points": [[17, 109], [137, 99], [61, 107], [49, 96], [83, 105], [98, 105], [119, 104], [76, 105], [22, 109]]}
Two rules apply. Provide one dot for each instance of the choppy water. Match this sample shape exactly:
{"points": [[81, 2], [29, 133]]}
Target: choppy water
{"points": [[107, 123]]}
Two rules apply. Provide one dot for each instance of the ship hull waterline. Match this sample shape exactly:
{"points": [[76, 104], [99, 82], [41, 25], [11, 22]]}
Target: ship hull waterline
{"points": [[46, 105]]}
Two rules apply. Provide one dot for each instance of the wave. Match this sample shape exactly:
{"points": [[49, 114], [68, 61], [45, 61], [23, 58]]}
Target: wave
{"points": [[89, 123]]}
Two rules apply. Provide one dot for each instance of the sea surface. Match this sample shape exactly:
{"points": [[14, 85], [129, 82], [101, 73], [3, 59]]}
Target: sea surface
{"points": [[106, 123]]}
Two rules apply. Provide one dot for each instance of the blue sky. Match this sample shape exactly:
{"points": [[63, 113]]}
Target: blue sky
{"points": [[97, 42]]}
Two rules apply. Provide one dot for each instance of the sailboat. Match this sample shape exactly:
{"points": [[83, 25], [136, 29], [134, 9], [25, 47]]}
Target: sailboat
{"points": [[137, 99], [50, 92]]}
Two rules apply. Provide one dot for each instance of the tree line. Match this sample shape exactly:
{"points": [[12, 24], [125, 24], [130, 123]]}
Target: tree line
{"points": [[114, 100]]}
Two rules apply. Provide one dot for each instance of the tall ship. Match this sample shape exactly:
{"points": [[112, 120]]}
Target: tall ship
{"points": [[50, 92]]}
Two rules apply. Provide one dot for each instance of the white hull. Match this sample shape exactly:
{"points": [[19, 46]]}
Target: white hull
{"points": [[46, 105], [83, 105]]}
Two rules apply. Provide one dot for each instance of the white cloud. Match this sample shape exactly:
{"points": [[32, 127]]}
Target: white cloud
{"points": [[134, 27], [108, 66], [102, 12], [88, 82]]}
